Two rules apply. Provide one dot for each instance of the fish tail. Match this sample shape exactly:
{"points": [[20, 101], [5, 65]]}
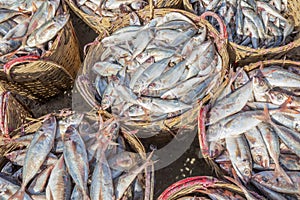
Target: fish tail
{"points": [[19, 195], [279, 171], [265, 116]]}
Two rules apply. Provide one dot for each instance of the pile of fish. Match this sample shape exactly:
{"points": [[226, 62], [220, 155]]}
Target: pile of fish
{"points": [[156, 71], [73, 158], [253, 127], [256, 24], [29, 27], [110, 8]]}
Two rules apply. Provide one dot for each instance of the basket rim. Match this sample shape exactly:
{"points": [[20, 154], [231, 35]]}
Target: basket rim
{"points": [[143, 14]]}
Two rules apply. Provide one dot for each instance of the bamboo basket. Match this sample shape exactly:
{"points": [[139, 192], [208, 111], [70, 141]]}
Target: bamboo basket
{"points": [[13, 114], [242, 55], [39, 78], [7, 146], [103, 24], [190, 117], [200, 185]]}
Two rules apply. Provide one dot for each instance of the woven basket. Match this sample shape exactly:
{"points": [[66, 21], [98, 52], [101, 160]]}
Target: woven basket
{"points": [[39, 78], [243, 55], [100, 24], [13, 114], [198, 184], [265, 63], [189, 117]]}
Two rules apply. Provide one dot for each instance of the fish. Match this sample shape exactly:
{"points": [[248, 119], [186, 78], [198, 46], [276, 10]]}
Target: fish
{"points": [[106, 68], [272, 143], [43, 139], [102, 181], [234, 125], [123, 182], [39, 183], [231, 103], [76, 160], [240, 156], [47, 31], [257, 146], [278, 184], [9, 186], [59, 184]]}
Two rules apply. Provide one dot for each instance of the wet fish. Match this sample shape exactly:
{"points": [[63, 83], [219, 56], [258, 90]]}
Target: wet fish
{"points": [[59, 184], [75, 157], [43, 139], [278, 184], [240, 156]]}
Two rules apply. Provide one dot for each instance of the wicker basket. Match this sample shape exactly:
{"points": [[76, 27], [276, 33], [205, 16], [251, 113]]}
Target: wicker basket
{"points": [[13, 114], [200, 185], [39, 78], [189, 117], [101, 24], [243, 55]]}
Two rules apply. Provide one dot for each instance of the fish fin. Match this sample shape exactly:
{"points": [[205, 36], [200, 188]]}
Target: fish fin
{"points": [[279, 171], [19, 195], [34, 7], [288, 109], [265, 117]]}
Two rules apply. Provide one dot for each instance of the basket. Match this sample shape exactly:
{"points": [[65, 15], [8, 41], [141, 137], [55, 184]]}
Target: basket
{"points": [[39, 78], [198, 185], [242, 55], [100, 24], [13, 114], [189, 117]]}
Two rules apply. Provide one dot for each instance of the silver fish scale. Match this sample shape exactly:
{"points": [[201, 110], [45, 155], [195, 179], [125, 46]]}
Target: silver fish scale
{"points": [[256, 24], [167, 61], [273, 143]]}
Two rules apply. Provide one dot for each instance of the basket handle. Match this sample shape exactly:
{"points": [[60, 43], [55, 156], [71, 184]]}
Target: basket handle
{"points": [[223, 30], [8, 66]]}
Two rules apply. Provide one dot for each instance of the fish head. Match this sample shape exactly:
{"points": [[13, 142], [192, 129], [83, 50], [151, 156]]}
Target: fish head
{"points": [[258, 158], [136, 110], [106, 102], [215, 149], [263, 178], [241, 78], [260, 84], [112, 130], [243, 170], [277, 97]]}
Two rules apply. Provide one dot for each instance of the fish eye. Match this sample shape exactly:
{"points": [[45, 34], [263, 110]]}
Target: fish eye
{"points": [[114, 126], [280, 96], [265, 179], [261, 83], [247, 172], [258, 158]]}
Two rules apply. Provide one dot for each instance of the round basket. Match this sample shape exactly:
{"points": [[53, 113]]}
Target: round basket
{"points": [[199, 186], [242, 55], [39, 78], [13, 114], [190, 117], [100, 24], [64, 120]]}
